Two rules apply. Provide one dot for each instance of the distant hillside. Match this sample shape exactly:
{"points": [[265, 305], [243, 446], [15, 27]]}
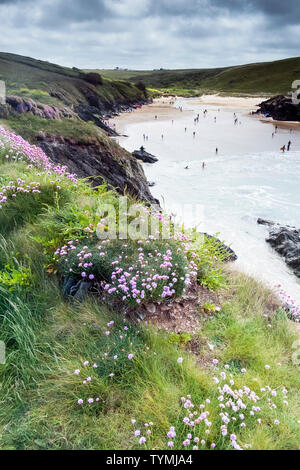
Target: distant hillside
{"points": [[269, 78], [51, 84]]}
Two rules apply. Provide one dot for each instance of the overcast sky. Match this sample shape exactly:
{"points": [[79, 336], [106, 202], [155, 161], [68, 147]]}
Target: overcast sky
{"points": [[147, 34]]}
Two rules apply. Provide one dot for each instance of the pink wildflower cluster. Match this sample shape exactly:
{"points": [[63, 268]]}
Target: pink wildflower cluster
{"points": [[14, 188], [237, 407], [142, 439], [139, 271], [15, 148], [289, 304]]}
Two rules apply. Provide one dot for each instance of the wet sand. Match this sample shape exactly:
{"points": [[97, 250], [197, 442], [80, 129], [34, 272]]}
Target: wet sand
{"points": [[161, 107], [164, 110], [247, 103], [294, 125]]}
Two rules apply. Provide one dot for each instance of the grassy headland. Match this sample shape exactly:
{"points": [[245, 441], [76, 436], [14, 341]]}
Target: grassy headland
{"points": [[266, 78], [78, 372], [53, 84]]}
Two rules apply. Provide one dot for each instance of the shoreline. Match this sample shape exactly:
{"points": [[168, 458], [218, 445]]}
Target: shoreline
{"points": [[164, 109]]}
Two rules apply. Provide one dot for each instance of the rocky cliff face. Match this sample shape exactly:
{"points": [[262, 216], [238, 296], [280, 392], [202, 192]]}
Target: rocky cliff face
{"points": [[280, 108], [100, 161]]}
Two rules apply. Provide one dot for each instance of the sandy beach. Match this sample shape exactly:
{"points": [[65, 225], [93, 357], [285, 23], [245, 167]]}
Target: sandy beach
{"points": [[161, 107], [246, 103], [164, 109], [281, 124]]}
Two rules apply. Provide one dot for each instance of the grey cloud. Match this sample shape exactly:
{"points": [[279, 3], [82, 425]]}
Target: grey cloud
{"points": [[151, 33]]}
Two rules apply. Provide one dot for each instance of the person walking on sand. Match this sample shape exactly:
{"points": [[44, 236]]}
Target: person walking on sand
{"points": [[289, 145], [217, 150]]}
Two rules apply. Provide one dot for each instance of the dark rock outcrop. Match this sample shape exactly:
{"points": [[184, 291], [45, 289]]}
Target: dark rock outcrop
{"points": [[100, 161], [144, 156], [286, 242], [280, 108], [91, 113]]}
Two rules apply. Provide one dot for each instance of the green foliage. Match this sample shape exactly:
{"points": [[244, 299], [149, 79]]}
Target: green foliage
{"points": [[28, 126], [13, 278], [41, 96], [209, 307], [209, 255], [179, 338]]}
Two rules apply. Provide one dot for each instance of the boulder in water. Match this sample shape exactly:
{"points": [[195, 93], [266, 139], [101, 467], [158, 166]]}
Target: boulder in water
{"points": [[286, 242], [144, 156]]}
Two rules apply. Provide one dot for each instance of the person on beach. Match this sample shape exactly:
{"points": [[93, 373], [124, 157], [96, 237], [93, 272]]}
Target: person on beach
{"points": [[217, 150], [194, 134], [283, 149], [162, 137], [272, 135], [289, 145], [203, 165], [185, 129]]}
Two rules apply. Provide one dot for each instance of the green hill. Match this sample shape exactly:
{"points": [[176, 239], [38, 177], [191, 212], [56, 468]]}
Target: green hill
{"points": [[267, 78], [53, 84]]}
